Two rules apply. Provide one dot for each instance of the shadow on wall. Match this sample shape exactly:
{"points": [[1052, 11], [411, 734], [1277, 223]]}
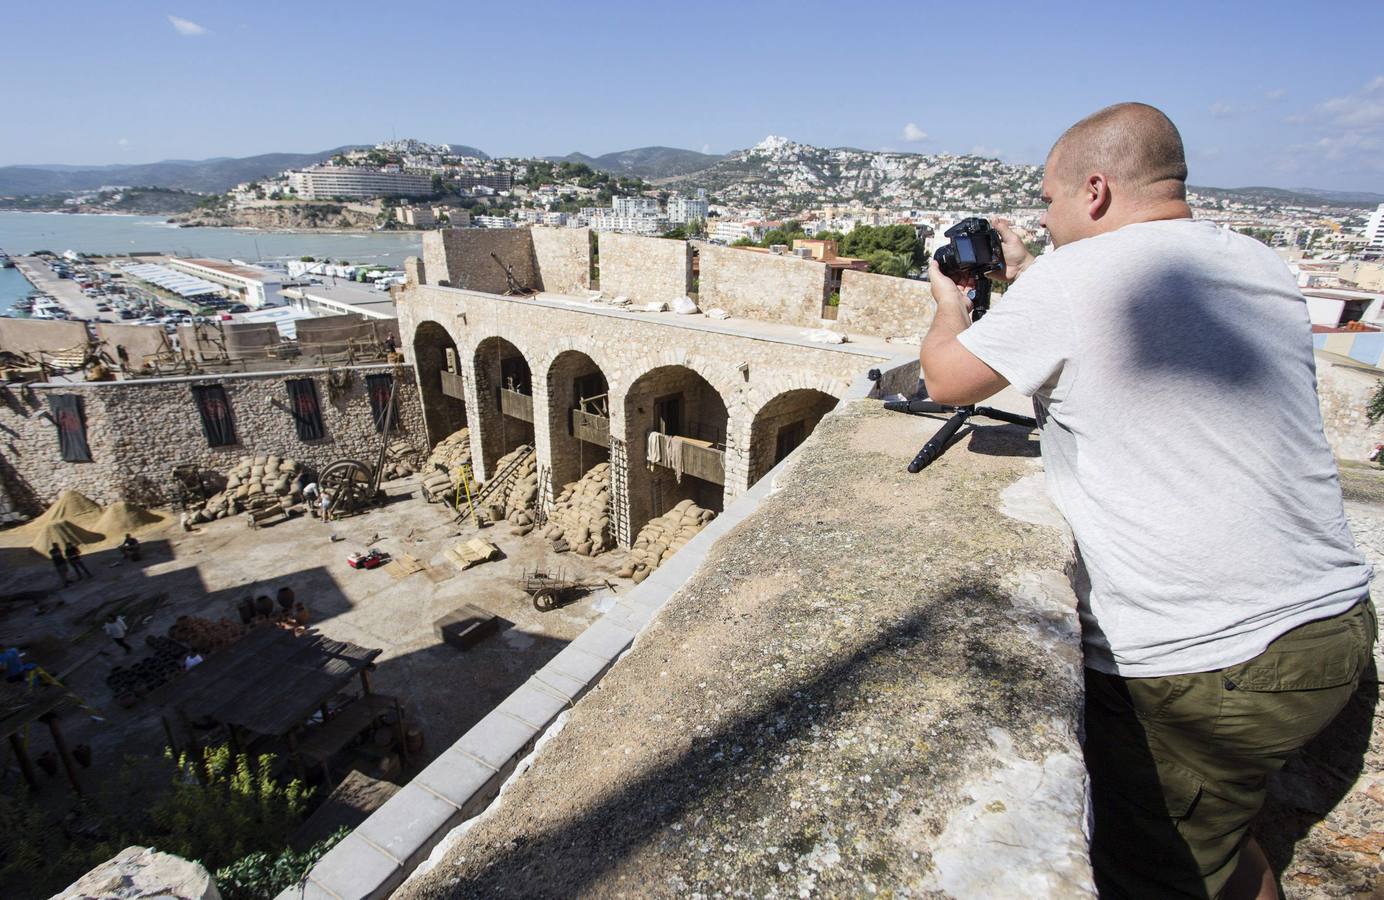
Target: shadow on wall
{"points": [[736, 773]]}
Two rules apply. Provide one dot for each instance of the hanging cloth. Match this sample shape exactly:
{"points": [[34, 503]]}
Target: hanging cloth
{"points": [[306, 410], [216, 414], [66, 410]]}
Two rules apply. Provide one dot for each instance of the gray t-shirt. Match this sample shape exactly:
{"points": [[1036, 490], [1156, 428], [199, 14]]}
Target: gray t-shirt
{"points": [[1170, 365]]}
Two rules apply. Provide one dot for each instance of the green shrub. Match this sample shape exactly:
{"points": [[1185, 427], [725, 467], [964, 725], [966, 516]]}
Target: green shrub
{"points": [[1374, 410], [263, 875]]}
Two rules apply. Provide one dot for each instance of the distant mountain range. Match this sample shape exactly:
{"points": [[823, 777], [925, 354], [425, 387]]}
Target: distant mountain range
{"points": [[645, 162], [210, 176], [1309, 197]]}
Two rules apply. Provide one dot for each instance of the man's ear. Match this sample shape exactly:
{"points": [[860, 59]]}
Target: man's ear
{"points": [[1097, 190]]}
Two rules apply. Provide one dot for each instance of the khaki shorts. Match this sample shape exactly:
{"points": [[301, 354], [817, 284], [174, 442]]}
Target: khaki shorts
{"points": [[1179, 765]]}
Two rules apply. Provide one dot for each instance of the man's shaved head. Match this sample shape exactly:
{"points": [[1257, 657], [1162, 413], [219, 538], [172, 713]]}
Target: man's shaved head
{"points": [[1134, 145]]}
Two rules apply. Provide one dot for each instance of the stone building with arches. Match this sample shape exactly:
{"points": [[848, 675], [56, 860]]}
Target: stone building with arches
{"points": [[586, 381]]}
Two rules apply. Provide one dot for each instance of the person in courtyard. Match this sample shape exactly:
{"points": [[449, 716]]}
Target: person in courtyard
{"points": [[116, 629], [59, 562], [1224, 604], [74, 559], [129, 548]]}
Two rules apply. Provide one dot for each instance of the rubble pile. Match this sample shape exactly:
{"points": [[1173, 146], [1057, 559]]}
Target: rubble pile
{"points": [[663, 537], [254, 483], [580, 517]]}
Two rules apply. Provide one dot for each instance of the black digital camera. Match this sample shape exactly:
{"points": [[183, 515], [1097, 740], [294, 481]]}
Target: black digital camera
{"points": [[974, 250]]}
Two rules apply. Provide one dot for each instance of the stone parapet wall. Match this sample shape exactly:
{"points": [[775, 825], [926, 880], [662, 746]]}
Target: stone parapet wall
{"points": [[563, 256], [762, 286], [138, 430], [884, 305], [644, 269], [462, 258], [1344, 392]]}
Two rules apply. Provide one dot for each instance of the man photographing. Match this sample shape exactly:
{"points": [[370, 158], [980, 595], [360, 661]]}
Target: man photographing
{"points": [[1224, 605]]}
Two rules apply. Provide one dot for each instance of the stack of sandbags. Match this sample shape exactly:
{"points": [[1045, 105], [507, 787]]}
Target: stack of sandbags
{"points": [[663, 537], [400, 461], [254, 483], [580, 518], [520, 491], [452, 452]]}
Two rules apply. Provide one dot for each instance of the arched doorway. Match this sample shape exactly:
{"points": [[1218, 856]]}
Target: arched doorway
{"points": [[504, 394], [578, 416], [782, 424], [669, 402], [439, 381]]}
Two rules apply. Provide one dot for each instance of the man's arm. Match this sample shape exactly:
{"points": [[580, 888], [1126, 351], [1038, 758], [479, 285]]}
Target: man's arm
{"points": [[953, 374]]}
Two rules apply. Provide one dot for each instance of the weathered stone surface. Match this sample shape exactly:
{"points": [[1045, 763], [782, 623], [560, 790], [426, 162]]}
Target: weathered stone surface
{"points": [[884, 305], [142, 872], [563, 257], [462, 258], [763, 286], [872, 685], [1343, 389], [139, 429], [644, 269]]}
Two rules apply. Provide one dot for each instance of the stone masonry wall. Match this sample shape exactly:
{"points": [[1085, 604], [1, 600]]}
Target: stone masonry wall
{"points": [[884, 305], [644, 269], [563, 256], [461, 257], [1344, 391], [762, 286], [138, 430]]}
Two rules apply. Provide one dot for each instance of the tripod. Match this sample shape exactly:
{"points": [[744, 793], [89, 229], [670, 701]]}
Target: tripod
{"points": [[980, 305]]}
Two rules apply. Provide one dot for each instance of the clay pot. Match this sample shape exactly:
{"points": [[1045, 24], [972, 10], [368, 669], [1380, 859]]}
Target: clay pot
{"points": [[301, 614]]}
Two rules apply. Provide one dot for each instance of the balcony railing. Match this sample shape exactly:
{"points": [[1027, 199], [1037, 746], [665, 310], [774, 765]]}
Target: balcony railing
{"points": [[690, 456], [513, 403], [591, 428], [452, 385]]}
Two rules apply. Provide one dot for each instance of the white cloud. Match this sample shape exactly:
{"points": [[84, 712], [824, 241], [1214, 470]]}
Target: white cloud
{"points": [[1276, 94], [123, 142], [913, 134], [1222, 110], [706, 148], [186, 27], [1362, 109]]}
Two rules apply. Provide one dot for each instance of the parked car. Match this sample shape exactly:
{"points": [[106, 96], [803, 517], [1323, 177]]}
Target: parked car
{"points": [[240, 308]]}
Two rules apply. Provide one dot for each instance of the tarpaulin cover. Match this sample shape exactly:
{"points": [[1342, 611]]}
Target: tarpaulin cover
{"points": [[307, 413], [66, 410], [378, 387], [216, 414]]}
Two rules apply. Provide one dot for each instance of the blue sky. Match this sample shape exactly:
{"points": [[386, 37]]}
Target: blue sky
{"points": [[1264, 93]]}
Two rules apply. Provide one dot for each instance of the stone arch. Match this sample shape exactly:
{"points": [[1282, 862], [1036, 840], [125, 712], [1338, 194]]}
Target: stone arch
{"points": [[503, 412], [438, 365], [573, 447], [783, 423], [675, 400]]}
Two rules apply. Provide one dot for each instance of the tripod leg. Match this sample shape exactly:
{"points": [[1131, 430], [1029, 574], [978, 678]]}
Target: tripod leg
{"points": [[933, 448]]}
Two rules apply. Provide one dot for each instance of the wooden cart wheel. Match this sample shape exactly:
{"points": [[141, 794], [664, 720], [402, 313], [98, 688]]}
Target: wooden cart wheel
{"points": [[347, 481], [545, 599]]}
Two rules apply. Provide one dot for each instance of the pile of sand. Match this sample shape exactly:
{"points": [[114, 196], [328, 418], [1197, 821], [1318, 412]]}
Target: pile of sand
{"points": [[122, 517], [71, 506], [62, 533]]}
